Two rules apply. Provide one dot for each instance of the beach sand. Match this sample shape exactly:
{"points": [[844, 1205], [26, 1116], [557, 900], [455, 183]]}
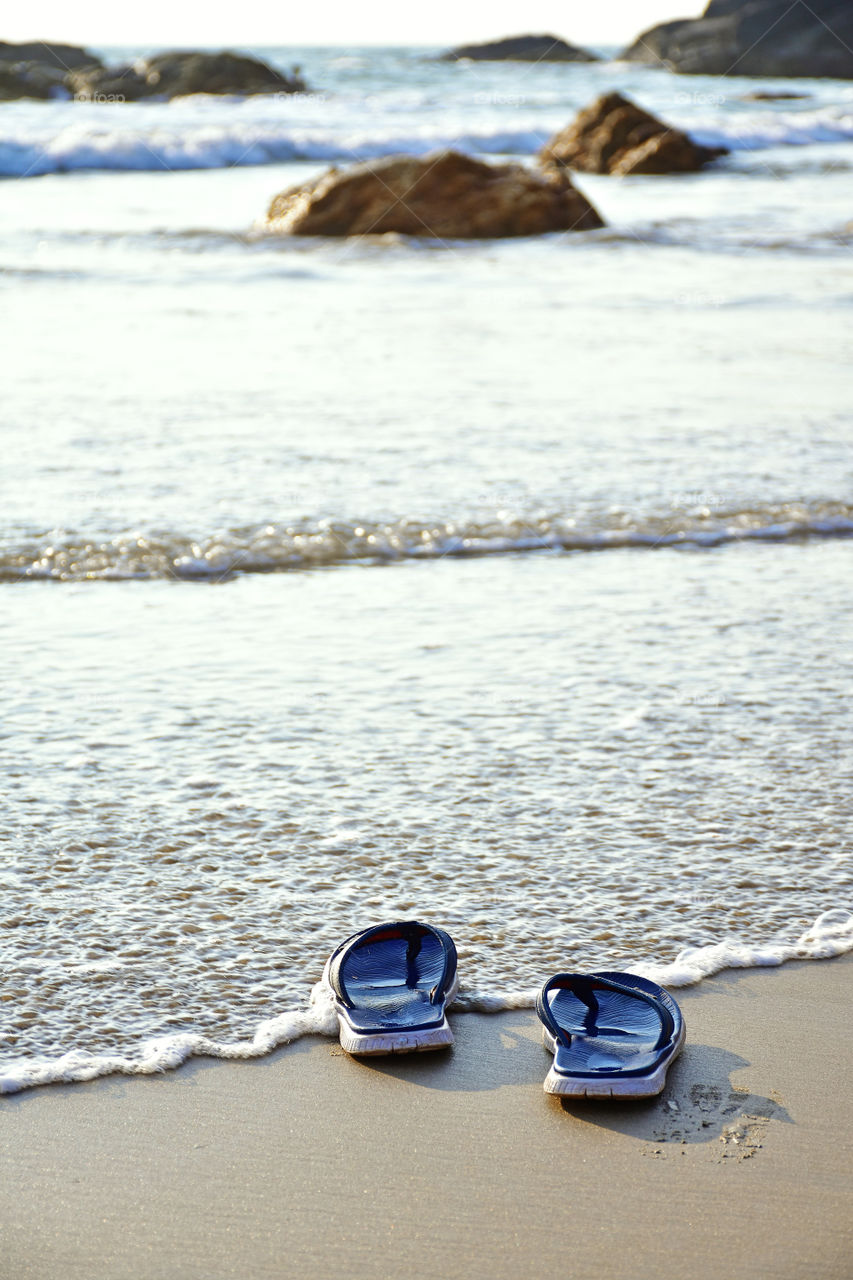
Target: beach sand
{"points": [[307, 1163]]}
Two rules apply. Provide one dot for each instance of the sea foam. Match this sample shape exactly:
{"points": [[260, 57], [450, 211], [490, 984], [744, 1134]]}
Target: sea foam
{"points": [[830, 935], [276, 548], [28, 150]]}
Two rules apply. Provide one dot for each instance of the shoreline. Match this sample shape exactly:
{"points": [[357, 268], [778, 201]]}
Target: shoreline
{"points": [[823, 940], [307, 1162]]}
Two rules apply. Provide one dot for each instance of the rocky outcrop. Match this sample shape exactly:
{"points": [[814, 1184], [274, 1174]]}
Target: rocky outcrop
{"points": [[174, 75], [49, 71], [754, 38], [614, 135], [31, 80], [771, 95], [520, 49], [39, 70], [62, 57], [118, 84], [445, 195]]}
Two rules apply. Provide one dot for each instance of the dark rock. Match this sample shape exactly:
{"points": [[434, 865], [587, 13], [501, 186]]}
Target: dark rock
{"points": [[39, 70], [614, 135], [31, 80], [520, 49], [770, 96], [119, 84], [754, 38], [446, 195], [165, 75], [63, 57], [176, 74]]}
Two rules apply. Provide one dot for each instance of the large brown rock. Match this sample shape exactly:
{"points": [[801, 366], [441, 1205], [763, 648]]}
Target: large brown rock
{"points": [[446, 195], [173, 75], [520, 49], [176, 74], [614, 135], [754, 38]]}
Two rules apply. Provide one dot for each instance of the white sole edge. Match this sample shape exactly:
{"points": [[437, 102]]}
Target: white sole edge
{"points": [[415, 1041], [625, 1087], [361, 1046]]}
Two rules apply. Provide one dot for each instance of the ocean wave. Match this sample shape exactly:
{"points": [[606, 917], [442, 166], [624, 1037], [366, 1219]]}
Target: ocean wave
{"points": [[215, 144], [223, 146], [272, 548], [831, 935], [757, 131]]}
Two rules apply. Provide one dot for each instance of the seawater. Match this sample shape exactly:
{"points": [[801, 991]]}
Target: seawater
{"points": [[502, 584]]}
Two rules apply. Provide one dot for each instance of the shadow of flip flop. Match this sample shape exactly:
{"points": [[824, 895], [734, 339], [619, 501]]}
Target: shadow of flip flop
{"points": [[699, 1104]]}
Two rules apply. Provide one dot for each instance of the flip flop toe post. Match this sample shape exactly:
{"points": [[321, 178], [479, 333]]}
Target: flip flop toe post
{"points": [[613, 1035], [391, 986]]}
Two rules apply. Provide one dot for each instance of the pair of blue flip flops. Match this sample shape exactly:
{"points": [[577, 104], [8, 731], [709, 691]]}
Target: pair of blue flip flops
{"points": [[613, 1035]]}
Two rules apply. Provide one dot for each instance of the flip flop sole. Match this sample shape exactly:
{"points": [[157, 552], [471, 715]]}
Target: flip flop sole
{"points": [[615, 1086], [362, 1046], [421, 1040]]}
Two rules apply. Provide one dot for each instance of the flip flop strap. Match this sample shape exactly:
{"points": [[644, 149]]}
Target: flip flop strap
{"points": [[413, 931], [584, 985]]}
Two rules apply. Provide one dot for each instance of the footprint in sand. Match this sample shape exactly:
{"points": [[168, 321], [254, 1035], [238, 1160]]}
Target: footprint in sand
{"points": [[737, 1118], [742, 1139]]}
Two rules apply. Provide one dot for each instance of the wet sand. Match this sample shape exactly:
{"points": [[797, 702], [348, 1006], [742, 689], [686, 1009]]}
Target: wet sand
{"points": [[307, 1163]]}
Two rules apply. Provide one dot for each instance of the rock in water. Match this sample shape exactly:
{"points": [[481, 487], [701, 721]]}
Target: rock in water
{"points": [[520, 49], [445, 195], [755, 38], [62, 57], [30, 80], [770, 95], [40, 70], [184, 73], [174, 75], [614, 135]]}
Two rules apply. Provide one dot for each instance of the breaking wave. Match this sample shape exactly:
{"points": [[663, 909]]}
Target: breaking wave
{"points": [[222, 147], [212, 144], [271, 548], [830, 935]]}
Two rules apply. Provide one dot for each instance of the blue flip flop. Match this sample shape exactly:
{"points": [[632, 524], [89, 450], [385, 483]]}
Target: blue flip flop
{"points": [[613, 1035], [391, 985]]}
